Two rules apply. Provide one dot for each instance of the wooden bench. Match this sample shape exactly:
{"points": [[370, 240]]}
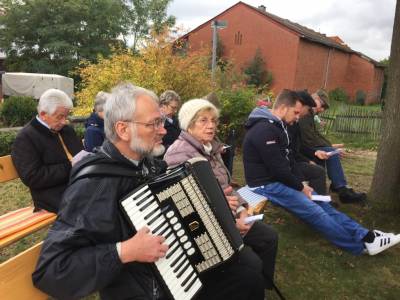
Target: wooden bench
{"points": [[15, 273]]}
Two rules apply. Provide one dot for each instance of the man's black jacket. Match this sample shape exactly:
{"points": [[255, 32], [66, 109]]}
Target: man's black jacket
{"points": [[42, 164], [79, 255]]}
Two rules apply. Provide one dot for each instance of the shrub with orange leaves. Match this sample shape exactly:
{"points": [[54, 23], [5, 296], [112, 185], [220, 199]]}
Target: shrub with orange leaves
{"points": [[157, 67]]}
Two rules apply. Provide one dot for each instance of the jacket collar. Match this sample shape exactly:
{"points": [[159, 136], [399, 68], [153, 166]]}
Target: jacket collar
{"points": [[199, 146], [43, 129]]}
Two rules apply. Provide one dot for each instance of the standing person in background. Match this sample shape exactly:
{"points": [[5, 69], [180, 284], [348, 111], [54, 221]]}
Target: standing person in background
{"points": [[94, 134], [169, 105], [312, 138], [199, 120], [44, 148]]}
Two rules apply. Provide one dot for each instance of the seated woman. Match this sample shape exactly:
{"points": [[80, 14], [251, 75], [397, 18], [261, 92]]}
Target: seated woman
{"points": [[198, 119]]}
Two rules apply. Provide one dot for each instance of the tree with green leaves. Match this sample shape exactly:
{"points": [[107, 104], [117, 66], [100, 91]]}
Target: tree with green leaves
{"points": [[256, 71], [53, 36], [147, 15]]}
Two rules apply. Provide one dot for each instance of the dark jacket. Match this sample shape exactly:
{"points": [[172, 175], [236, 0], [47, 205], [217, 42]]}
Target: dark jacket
{"points": [[79, 255], [94, 134], [298, 151], [310, 136], [173, 132], [42, 164], [266, 156]]}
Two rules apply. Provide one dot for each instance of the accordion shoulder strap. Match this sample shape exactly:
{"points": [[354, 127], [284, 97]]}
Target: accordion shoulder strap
{"points": [[104, 169]]}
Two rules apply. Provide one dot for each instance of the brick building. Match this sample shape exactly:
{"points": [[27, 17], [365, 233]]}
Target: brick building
{"points": [[298, 57]]}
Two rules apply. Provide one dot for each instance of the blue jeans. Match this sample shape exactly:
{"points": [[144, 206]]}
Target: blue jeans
{"points": [[335, 226], [334, 168]]}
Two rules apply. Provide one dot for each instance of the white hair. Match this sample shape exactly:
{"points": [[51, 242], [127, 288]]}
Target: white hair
{"points": [[121, 106], [51, 99], [100, 100]]}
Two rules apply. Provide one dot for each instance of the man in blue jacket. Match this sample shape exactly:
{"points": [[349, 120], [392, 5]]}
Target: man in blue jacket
{"points": [[270, 171]]}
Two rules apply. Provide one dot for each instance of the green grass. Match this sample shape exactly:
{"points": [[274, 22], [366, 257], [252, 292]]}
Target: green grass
{"points": [[308, 267]]}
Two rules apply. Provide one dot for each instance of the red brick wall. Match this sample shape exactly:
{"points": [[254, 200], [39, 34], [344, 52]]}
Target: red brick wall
{"points": [[278, 44], [363, 75]]}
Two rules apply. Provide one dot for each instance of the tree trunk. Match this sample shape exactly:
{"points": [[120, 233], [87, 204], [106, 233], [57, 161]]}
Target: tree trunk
{"points": [[386, 182]]}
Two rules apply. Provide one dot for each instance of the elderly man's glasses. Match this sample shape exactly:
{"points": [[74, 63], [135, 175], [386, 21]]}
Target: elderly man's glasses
{"points": [[155, 125]]}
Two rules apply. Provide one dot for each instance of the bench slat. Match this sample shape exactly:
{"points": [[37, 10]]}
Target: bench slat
{"points": [[15, 276]]}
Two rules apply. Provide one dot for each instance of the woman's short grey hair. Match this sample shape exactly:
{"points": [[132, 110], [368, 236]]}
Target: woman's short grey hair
{"points": [[121, 106], [51, 99], [168, 96], [100, 100]]}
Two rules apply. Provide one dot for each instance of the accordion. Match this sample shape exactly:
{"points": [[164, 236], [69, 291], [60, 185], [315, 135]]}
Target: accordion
{"points": [[188, 207]]}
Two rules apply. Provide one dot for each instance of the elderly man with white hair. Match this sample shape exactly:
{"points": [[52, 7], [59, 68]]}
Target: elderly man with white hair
{"points": [[44, 148], [92, 247]]}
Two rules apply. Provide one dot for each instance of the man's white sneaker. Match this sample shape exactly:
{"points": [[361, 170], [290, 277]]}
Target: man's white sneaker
{"points": [[379, 233], [381, 243]]}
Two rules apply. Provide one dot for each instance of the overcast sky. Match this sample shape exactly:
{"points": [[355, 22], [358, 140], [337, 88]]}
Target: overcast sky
{"points": [[365, 25]]}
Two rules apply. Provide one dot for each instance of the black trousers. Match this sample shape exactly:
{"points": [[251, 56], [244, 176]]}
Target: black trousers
{"points": [[234, 280], [260, 252], [315, 175]]}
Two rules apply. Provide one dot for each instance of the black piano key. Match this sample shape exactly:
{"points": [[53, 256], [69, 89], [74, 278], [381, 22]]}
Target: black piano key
{"points": [[151, 213], [169, 234], [183, 269], [143, 200], [179, 266], [164, 230], [190, 284], [154, 231], [155, 218], [186, 280], [177, 259], [145, 206], [173, 243], [172, 251]]}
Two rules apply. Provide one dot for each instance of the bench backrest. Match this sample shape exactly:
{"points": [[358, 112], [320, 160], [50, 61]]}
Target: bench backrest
{"points": [[7, 169], [15, 276]]}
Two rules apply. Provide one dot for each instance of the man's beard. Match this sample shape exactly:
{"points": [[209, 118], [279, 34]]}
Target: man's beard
{"points": [[138, 146]]}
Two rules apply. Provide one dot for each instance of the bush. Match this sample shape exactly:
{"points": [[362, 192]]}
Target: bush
{"points": [[6, 140], [338, 94], [157, 68], [236, 105], [361, 96], [256, 72], [18, 110]]}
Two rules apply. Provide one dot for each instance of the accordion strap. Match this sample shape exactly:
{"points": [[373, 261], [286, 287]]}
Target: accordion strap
{"points": [[104, 169]]}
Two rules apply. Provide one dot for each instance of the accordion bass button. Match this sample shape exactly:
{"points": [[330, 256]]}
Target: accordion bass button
{"points": [[180, 232], [177, 226], [187, 245], [170, 214], [183, 239], [174, 220]]}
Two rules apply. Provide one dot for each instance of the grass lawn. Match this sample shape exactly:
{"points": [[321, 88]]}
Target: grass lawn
{"points": [[308, 267]]}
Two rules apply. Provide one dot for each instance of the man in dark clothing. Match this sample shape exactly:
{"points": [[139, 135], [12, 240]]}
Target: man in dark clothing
{"points": [[169, 105], [269, 171], [94, 133], [312, 138], [91, 246], [43, 150], [308, 169]]}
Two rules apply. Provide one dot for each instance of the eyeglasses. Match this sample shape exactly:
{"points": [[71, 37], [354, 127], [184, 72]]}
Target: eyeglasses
{"points": [[174, 108], [204, 121], [155, 125]]}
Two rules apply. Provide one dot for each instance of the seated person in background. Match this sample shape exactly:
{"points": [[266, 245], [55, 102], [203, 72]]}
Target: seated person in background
{"points": [[91, 247], [312, 138], [199, 120], [43, 150], [268, 171], [94, 134], [169, 105], [305, 168]]}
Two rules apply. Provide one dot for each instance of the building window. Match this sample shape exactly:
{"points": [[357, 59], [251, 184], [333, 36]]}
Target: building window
{"points": [[238, 38]]}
